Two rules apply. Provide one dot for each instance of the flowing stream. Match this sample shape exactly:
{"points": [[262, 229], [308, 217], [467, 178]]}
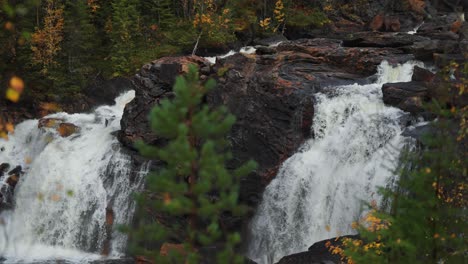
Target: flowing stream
{"points": [[74, 192], [318, 192]]}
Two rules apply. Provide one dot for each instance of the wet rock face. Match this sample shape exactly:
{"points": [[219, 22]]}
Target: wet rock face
{"points": [[153, 83], [11, 180], [271, 93], [406, 96], [318, 253]]}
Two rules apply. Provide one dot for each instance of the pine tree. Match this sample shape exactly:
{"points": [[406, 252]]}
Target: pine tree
{"points": [[80, 37], [78, 52], [159, 13], [124, 34], [194, 188]]}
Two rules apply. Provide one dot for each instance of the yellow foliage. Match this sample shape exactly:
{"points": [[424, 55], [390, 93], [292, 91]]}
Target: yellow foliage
{"points": [[12, 95], [208, 18], [46, 41], [265, 23], [279, 11]]}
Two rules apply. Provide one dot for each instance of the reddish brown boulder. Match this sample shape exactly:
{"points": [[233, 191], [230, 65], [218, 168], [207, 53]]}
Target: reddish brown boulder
{"points": [[392, 24], [67, 129], [49, 122], [377, 23]]}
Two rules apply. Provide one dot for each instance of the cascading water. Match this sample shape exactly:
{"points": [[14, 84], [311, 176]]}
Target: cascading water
{"points": [[70, 186], [318, 192]]}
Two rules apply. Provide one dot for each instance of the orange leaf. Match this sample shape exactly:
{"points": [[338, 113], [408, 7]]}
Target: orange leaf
{"points": [[10, 127], [55, 197], [17, 84]]}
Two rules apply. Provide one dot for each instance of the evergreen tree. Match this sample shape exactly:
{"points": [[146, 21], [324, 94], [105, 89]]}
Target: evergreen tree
{"points": [[124, 35], [159, 13], [78, 50], [194, 188]]}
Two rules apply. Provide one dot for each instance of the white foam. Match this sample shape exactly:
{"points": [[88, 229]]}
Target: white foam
{"points": [[318, 192]]}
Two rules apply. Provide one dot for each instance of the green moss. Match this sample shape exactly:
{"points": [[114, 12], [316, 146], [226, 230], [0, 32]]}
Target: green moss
{"points": [[222, 71]]}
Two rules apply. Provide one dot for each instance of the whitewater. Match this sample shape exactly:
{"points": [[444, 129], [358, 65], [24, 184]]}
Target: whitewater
{"points": [[70, 184], [319, 191]]}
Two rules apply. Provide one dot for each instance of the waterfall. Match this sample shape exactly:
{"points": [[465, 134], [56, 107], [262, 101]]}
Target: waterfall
{"points": [[318, 192], [74, 192]]}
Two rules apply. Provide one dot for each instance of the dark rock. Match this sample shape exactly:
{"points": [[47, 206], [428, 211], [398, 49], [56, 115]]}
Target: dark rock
{"points": [[448, 35], [12, 180], [328, 55], [262, 50], [463, 31], [153, 83], [464, 48], [422, 75], [16, 171], [318, 253], [13, 177], [3, 168], [418, 132], [449, 5], [270, 40], [381, 40], [424, 50], [441, 22], [406, 96]]}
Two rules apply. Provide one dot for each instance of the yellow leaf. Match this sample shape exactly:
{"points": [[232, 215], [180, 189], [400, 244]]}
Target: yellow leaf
{"points": [[12, 95], [327, 227]]}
